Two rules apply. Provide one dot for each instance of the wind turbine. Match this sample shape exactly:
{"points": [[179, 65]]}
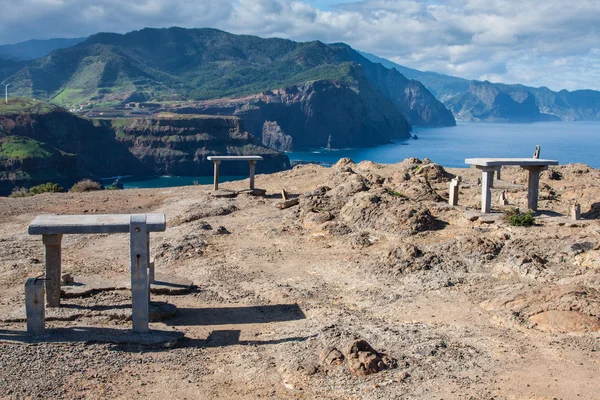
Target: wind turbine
{"points": [[6, 92]]}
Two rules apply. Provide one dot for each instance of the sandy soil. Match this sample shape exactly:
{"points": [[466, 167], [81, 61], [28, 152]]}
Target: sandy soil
{"points": [[453, 303]]}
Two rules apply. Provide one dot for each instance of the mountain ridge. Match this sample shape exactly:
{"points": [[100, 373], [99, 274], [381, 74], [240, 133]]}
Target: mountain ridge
{"points": [[577, 105], [198, 64]]}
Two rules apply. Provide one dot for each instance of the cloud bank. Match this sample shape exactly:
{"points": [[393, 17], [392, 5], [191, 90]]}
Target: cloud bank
{"points": [[551, 43]]}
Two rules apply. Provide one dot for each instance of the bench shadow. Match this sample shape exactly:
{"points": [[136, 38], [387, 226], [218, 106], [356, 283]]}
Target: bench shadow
{"points": [[221, 338], [83, 334], [547, 213], [278, 196], [236, 315], [593, 213]]}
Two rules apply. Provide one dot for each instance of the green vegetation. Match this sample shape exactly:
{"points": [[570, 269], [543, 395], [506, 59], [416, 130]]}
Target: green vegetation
{"points": [[515, 218], [174, 64], [39, 189], [20, 148], [46, 188], [26, 106], [393, 193]]}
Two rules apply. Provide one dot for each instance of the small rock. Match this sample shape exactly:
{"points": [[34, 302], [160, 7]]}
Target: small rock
{"points": [[331, 356], [364, 360], [221, 230], [68, 280]]}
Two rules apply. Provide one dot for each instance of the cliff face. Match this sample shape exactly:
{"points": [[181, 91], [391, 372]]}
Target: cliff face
{"points": [[321, 114], [56, 146], [416, 102], [180, 146], [324, 114], [60, 147]]}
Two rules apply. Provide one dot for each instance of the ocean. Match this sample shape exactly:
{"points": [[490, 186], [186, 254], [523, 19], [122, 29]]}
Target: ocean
{"points": [[567, 142]]}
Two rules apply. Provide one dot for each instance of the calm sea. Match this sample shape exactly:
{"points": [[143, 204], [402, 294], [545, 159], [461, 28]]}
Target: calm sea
{"points": [[566, 142]]}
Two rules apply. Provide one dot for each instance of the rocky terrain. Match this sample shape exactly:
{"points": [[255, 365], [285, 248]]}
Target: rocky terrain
{"points": [[371, 287]]}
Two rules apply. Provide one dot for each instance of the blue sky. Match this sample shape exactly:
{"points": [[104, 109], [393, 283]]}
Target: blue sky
{"points": [[554, 43]]}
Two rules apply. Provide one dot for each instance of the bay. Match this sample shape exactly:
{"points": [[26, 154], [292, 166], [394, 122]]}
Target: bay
{"points": [[168, 181]]}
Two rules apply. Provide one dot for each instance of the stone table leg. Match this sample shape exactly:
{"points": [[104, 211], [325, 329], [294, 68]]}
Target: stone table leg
{"points": [[533, 187], [52, 243], [216, 162], [487, 176], [252, 169], [34, 306], [140, 287]]}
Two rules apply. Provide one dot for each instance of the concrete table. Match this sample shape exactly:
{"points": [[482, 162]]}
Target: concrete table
{"points": [[139, 226], [488, 165], [251, 159]]}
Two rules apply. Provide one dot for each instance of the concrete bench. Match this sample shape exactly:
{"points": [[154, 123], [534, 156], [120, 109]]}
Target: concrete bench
{"points": [[488, 165], [251, 159], [139, 226]]}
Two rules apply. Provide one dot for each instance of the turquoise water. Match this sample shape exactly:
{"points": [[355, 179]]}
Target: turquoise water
{"points": [[563, 141], [169, 181]]}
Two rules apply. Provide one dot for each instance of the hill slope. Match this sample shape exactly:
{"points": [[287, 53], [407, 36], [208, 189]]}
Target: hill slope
{"points": [[200, 64]]}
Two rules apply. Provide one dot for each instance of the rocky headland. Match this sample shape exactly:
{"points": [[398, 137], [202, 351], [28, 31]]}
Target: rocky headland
{"points": [[371, 287]]}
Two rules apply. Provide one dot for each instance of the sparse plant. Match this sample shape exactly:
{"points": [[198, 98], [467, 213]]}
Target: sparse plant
{"points": [[393, 193], [86, 185], [516, 218], [19, 192]]}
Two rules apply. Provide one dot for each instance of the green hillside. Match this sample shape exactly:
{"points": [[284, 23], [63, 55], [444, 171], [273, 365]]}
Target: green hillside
{"points": [[175, 63]]}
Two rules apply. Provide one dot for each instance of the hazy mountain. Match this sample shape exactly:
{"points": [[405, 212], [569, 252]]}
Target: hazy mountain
{"points": [[32, 49], [470, 100]]}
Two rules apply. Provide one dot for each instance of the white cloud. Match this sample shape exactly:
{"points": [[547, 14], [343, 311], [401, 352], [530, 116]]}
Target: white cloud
{"points": [[536, 42]]}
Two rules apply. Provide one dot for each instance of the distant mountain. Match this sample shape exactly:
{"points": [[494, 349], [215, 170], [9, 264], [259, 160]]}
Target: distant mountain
{"points": [[199, 64], [32, 49], [476, 100]]}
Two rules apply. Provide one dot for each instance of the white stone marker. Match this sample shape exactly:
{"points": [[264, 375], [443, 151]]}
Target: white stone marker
{"points": [[575, 211], [453, 198], [140, 260], [34, 306]]}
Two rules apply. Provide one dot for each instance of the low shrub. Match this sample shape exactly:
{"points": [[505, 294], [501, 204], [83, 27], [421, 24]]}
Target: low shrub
{"points": [[45, 188], [516, 218], [20, 192], [86, 185]]}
